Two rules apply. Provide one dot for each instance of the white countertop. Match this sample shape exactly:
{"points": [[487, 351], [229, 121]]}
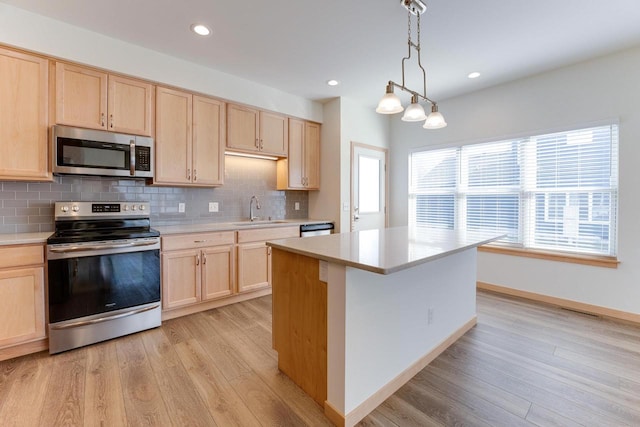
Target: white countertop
{"points": [[34, 238], [24, 238], [232, 226], [386, 250]]}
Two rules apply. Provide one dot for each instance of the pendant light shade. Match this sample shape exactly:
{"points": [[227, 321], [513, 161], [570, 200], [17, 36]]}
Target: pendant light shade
{"points": [[414, 112], [435, 119], [390, 103]]}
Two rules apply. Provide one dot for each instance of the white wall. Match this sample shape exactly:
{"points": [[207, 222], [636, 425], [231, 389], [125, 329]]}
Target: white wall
{"points": [[574, 96], [345, 121], [37, 33]]}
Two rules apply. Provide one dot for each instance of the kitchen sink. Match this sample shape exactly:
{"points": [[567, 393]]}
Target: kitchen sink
{"points": [[258, 222]]}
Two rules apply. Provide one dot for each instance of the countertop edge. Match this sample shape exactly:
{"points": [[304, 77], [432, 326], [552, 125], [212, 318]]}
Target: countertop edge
{"points": [[274, 244], [281, 244], [24, 238], [167, 230], [8, 239]]}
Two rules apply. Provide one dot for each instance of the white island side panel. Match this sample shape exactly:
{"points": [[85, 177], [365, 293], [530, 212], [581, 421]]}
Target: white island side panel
{"points": [[378, 324]]}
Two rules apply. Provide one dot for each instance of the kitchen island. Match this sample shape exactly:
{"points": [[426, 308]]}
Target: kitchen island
{"points": [[356, 315]]}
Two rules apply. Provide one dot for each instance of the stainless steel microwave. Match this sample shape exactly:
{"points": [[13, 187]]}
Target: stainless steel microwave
{"points": [[95, 152]]}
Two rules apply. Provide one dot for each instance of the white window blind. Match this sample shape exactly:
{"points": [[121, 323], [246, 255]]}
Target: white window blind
{"points": [[491, 190], [432, 193], [555, 192]]}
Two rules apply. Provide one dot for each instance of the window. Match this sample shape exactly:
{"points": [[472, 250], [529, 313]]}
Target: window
{"points": [[553, 192]]}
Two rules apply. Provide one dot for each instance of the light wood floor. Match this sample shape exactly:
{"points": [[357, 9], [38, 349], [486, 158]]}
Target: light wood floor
{"points": [[523, 364]]}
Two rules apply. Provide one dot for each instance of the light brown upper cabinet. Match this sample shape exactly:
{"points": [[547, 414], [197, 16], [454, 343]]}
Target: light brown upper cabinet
{"points": [[190, 137], [24, 95], [94, 99], [301, 170], [253, 131]]}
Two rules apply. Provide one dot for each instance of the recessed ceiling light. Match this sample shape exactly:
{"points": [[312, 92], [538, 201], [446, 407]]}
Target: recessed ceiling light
{"points": [[333, 82], [200, 29], [474, 75]]}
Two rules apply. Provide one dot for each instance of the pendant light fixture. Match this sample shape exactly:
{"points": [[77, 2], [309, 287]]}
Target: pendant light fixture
{"points": [[390, 103]]}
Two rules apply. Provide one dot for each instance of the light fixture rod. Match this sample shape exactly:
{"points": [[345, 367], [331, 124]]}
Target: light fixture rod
{"points": [[416, 46], [412, 92]]}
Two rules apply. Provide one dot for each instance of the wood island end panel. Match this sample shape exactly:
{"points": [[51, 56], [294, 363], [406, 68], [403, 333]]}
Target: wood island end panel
{"points": [[300, 321]]}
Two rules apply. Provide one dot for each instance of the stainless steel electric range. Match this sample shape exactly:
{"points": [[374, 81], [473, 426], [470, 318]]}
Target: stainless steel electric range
{"points": [[104, 273]]}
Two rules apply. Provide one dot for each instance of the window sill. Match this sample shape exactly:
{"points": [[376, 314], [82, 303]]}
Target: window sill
{"points": [[596, 261]]}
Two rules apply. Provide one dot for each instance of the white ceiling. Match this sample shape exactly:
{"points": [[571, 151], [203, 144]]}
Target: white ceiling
{"points": [[296, 46]]}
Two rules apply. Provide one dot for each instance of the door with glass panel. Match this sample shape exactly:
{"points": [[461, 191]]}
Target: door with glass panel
{"points": [[368, 187]]}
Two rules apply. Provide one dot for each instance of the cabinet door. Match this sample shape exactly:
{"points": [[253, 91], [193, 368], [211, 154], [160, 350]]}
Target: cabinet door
{"points": [[208, 141], [21, 305], [242, 128], [130, 106], [180, 278], [274, 134], [173, 136], [254, 268], [81, 96], [296, 154], [217, 272], [23, 122], [312, 156]]}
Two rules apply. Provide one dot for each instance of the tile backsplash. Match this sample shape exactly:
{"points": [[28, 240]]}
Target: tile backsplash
{"points": [[28, 207]]}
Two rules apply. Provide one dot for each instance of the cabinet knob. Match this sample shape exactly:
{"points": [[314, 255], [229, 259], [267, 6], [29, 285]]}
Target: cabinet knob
{"points": [[189, 174], [195, 175], [102, 119]]}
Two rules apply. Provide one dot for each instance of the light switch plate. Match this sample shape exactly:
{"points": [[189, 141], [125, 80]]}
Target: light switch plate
{"points": [[181, 207], [296, 206], [213, 206], [345, 206]]}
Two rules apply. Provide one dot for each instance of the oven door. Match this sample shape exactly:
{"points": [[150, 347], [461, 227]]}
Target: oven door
{"points": [[91, 278]]}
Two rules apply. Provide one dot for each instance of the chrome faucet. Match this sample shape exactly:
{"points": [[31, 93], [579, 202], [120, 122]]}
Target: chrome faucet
{"points": [[251, 217]]}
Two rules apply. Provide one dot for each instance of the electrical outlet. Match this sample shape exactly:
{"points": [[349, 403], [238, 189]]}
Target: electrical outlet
{"points": [[181, 207], [296, 206], [430, 315], [213, 206]]}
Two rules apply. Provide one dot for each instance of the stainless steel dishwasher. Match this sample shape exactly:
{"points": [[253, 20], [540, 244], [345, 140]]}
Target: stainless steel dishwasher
{"points": [[308, 230]]}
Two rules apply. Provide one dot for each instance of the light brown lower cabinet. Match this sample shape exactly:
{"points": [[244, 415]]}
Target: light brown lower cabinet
{"points": [[21, 295], [205, 267], [254, 266], [197, 267], [254, 256]]}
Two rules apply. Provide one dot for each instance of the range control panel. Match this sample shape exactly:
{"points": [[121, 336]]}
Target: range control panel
{"points": [[101, 209]]}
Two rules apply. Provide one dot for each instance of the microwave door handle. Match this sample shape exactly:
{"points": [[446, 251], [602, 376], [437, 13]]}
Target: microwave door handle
{"points": [[132, 157]]}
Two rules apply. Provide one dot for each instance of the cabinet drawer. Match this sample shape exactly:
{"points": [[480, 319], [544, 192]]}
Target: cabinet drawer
{"points": [[268, 234], [18, 256], [197, 240]]}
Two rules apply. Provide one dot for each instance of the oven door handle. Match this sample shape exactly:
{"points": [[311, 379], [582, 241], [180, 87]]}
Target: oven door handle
{"points": [[105, 318], [100, 247]]}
